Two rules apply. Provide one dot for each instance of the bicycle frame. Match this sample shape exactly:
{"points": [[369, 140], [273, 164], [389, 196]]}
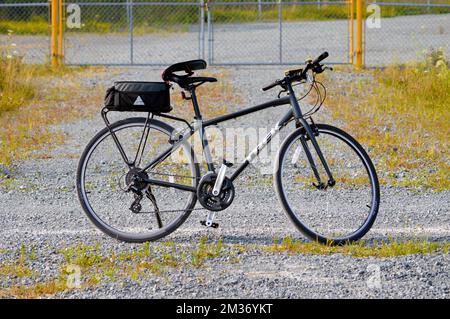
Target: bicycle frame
{"points": [[200, 125]]}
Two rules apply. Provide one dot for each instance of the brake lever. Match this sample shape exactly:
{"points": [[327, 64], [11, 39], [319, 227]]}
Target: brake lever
{"points": [[281, 92], [321, 68]]}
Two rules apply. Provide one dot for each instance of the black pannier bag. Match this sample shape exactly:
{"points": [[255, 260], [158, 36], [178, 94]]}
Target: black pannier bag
{"points": [[139, 97]]}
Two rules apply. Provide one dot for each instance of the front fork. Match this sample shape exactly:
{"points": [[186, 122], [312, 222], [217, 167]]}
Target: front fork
{"points": [[302, 123], [312, 137]]}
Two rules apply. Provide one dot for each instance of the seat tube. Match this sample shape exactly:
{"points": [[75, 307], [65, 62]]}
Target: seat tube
{"points": [[199, 124], [198, 114]]}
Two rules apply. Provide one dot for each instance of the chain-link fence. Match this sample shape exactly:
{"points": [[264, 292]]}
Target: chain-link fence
{"points": [[24, 29], [398, 31], [277, 32], [224, 32], [132, 31]]}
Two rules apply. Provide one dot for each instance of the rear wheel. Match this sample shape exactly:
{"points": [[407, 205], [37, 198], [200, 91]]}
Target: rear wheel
{"points": [[339, 214], [103, 176]]}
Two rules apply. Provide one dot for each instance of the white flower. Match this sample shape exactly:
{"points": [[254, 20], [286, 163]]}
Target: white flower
{"points": [[13, 44], [9, 56]]}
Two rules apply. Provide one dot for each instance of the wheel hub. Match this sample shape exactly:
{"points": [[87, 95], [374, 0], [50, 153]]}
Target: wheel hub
{"points": [[135, 177]]}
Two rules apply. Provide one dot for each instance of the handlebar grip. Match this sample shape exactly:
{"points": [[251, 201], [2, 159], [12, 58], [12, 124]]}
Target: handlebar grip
{"points": [[277, 82], [321, 57]]}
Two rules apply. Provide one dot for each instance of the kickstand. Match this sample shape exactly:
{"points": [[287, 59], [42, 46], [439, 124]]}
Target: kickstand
{"points": [[152, 198]]}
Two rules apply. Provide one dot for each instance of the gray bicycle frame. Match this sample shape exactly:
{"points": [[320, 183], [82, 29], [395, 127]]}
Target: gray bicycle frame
{"points": [[200, 125]]}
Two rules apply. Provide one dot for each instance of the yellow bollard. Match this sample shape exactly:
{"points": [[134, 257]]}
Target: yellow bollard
{"points": [[359, 33], [54, 32]]}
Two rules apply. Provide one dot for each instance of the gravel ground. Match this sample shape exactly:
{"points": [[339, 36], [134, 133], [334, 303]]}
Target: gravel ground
{"points": [[43, 211], [398, 39]]}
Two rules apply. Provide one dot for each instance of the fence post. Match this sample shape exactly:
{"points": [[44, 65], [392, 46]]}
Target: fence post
{"points": [[351, 31], [209, 7], [61, 32], [359, 33], [130, 18], [54, 32], [280, 30], [201, 38]]}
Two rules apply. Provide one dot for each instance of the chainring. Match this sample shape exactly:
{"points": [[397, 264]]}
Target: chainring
{"points": [[208, 200]]}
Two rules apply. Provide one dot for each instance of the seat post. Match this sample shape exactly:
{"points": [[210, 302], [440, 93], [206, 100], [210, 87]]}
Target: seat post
{"points": [[198, 115]]}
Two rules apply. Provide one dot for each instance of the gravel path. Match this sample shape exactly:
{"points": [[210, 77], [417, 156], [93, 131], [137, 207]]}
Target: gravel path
{"points": [[43, 211]]}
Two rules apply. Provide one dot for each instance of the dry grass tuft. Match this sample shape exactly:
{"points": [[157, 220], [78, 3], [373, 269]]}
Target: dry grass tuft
{"points": [[360, 249]]}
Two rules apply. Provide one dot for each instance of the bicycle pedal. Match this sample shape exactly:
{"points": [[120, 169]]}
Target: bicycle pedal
{"points": [[213, 225], [228, 164]]}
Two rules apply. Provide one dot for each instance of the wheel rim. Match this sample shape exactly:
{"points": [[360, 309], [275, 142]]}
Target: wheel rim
{"points": [[343, 212], [110, 210]]}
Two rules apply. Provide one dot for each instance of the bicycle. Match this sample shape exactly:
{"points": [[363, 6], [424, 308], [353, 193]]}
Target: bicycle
{"points": [[316, 165]]}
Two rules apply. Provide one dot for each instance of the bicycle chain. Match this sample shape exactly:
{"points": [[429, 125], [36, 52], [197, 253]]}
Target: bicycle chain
{"points": [[172, 210], [174, 175]]}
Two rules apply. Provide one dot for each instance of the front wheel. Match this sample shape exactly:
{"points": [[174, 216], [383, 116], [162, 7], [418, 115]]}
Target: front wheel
{"points": [[336, 214]]}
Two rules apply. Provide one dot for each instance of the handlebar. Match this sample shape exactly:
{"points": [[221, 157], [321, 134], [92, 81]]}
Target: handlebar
{"points": [[320, 58], [272, 85], [314, 65]]}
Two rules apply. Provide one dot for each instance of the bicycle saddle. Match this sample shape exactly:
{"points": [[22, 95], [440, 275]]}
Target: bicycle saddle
{"points": [[187, 67]]}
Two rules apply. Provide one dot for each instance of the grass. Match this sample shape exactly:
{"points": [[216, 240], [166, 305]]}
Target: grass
{"points": [[144, 258], [360, 249], [292, 13], [34, 26], [19, 267], [15, 84], [206, 251], [35, 291], [400, 114]]}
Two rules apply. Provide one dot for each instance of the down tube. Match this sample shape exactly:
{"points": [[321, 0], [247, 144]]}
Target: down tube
{"points": [[274, 131]]}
